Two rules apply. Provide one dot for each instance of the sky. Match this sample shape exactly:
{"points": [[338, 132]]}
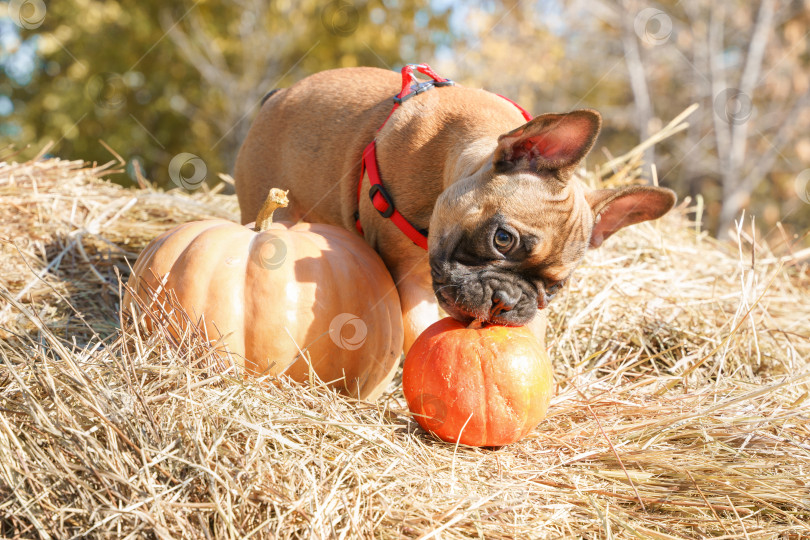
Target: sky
{"points": [[18, 59]]}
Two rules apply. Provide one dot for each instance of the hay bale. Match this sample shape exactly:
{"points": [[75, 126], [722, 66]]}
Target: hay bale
{"points": [[682, 406]]}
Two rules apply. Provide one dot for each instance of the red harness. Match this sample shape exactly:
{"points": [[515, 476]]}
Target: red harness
{"points": [[380, 198]]}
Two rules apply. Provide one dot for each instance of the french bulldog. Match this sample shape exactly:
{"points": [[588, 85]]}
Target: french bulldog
{"points": [[507, 222]]}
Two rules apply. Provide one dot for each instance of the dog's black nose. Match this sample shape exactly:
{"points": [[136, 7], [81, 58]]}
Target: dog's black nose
{"points": [[501, 301]]}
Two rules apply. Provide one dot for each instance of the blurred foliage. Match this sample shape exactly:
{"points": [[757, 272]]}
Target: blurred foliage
{"points": [[155, 79], [129, 72]]}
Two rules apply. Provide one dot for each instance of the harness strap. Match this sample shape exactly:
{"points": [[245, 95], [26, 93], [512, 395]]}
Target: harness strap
{"points": [[523, 111], [380, 198]]}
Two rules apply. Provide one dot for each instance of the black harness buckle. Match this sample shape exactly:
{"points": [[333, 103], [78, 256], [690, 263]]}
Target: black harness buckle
{"points": [[378, 188], [420, 88]]}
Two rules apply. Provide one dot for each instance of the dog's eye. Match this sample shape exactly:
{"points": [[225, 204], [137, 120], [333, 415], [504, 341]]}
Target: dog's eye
{"points": [[503, 240], [554, 287]]}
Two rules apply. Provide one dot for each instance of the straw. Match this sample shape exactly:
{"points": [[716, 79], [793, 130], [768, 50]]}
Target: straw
{"points": [[682, 406]]}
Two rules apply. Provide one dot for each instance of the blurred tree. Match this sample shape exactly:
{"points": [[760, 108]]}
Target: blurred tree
{"points": [[726, 57], [156, 80]]}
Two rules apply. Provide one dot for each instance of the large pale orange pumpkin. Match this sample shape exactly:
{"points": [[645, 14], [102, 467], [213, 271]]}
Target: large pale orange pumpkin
{"points": [[267, 294], [480, 386]]}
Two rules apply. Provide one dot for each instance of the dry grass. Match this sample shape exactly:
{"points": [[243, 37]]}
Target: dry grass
{"points": [[682, 407]]}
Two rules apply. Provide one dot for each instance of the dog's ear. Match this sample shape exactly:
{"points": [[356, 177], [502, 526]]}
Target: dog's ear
{"points": [[614, 209], [549, 141]]}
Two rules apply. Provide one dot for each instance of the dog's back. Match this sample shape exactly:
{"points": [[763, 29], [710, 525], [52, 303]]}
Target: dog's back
{"points": [[308, 138]]}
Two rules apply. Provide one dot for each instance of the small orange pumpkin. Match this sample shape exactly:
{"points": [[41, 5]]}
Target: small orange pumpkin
{"points": [[479, 386], [267, 294]]}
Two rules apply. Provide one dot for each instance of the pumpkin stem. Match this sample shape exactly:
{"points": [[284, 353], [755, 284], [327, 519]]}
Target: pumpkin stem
{"points": [[477, 324], [277, 198]]}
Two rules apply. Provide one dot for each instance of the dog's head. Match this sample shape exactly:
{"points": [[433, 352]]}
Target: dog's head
{"points": [[504, 240]]}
